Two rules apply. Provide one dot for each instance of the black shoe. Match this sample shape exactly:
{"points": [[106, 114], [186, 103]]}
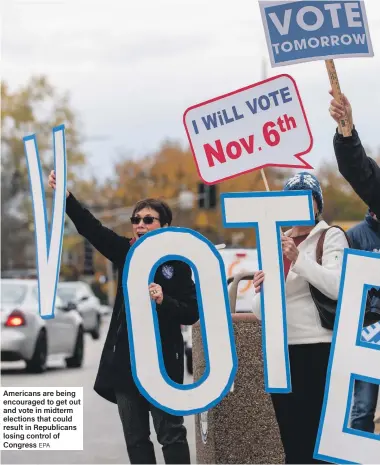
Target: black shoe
{"points": [[142, 454], [177, 453]]}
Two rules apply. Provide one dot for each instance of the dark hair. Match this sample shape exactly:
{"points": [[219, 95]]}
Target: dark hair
{"points": [[161, 207]]}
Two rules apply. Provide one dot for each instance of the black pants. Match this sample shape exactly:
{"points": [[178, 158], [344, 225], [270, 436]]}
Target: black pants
{"points": [[171, 433], [298, 413]]}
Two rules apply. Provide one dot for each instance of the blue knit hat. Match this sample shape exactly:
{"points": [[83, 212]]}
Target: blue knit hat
{"points": [[306, 181]]}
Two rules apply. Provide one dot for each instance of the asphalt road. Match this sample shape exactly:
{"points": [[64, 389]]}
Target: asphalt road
{"points": [[103, 440]]}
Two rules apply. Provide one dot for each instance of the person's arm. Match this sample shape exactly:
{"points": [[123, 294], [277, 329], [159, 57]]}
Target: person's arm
{"points": [[358, 169], [258, 281], [325, 277], [355, 244], [256, 305], [107, 242], [354, 165], [183, 309]]}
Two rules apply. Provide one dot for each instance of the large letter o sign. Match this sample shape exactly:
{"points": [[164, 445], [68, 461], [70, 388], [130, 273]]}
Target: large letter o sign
{"points": [[214, 313]]}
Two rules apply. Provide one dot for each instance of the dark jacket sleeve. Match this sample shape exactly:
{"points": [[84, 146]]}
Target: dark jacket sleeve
{"points": [[358, 169], [183, 309], [107, 242], [356, 236], [353, 236], [350, 235]]}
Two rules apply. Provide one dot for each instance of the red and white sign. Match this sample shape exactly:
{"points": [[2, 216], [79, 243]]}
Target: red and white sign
{"points": [[261, 125]]}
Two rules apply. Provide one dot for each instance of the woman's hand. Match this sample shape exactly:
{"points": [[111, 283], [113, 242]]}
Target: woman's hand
{"points": [[258, 279], [156, 294], [52, 182], [338, 111], [289, 248]]}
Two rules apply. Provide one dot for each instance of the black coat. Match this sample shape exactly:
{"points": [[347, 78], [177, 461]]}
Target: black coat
{"points": [[360, 171], [366, 236], [178, 307]]}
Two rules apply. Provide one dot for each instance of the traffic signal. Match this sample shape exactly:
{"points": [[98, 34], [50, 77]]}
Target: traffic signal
{"points": [[207, 196], [88, 267]]}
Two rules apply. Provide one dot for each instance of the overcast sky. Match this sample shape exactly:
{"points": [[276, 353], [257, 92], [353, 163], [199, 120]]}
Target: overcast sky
{"points": [[133, 67]]}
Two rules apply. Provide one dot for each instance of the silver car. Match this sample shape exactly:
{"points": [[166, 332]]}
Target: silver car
{"points": [[88, 305], [26, 336]]}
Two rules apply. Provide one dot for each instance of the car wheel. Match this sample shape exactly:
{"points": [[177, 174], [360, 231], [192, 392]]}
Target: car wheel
{"points": [[95, 333], [77, 359], [38, 363], [189, 361]]}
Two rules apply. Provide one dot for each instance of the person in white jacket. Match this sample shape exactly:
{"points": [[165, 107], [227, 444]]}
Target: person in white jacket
{"points": [[298, 413]]}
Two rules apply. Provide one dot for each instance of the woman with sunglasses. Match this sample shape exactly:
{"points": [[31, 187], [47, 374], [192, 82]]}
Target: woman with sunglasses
{"points": [[174, 293]]}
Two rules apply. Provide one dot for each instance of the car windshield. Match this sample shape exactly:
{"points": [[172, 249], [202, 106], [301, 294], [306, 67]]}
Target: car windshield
{"points": [[58, 300], [67, 294], [13, 293]]}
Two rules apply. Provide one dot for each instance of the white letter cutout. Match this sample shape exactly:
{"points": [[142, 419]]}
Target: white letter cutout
{"points": [[350, 359], [267, 212], [48, 246], [215, 318]]}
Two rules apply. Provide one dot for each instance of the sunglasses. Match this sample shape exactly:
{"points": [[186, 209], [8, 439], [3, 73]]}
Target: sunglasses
{"points": [[145, 220]]}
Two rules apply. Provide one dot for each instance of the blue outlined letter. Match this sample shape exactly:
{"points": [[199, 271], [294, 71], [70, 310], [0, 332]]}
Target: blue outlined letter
{"points": [[350, 359], [147, 364], [267, 212], [48, 246]]}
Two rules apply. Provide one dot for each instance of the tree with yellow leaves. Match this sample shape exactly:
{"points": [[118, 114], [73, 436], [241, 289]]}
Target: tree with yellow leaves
{"points": [[35, 108]]}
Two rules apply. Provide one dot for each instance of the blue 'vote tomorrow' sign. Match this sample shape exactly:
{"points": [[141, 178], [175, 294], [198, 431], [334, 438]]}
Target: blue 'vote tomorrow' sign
{"points": [[315, 30]]}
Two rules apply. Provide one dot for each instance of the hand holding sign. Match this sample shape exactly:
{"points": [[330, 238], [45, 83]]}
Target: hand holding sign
{"points": [[53, 182], [156, 294], [260, 125], [338, 111], [258, 280], [289, 248], [313, 30]]}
